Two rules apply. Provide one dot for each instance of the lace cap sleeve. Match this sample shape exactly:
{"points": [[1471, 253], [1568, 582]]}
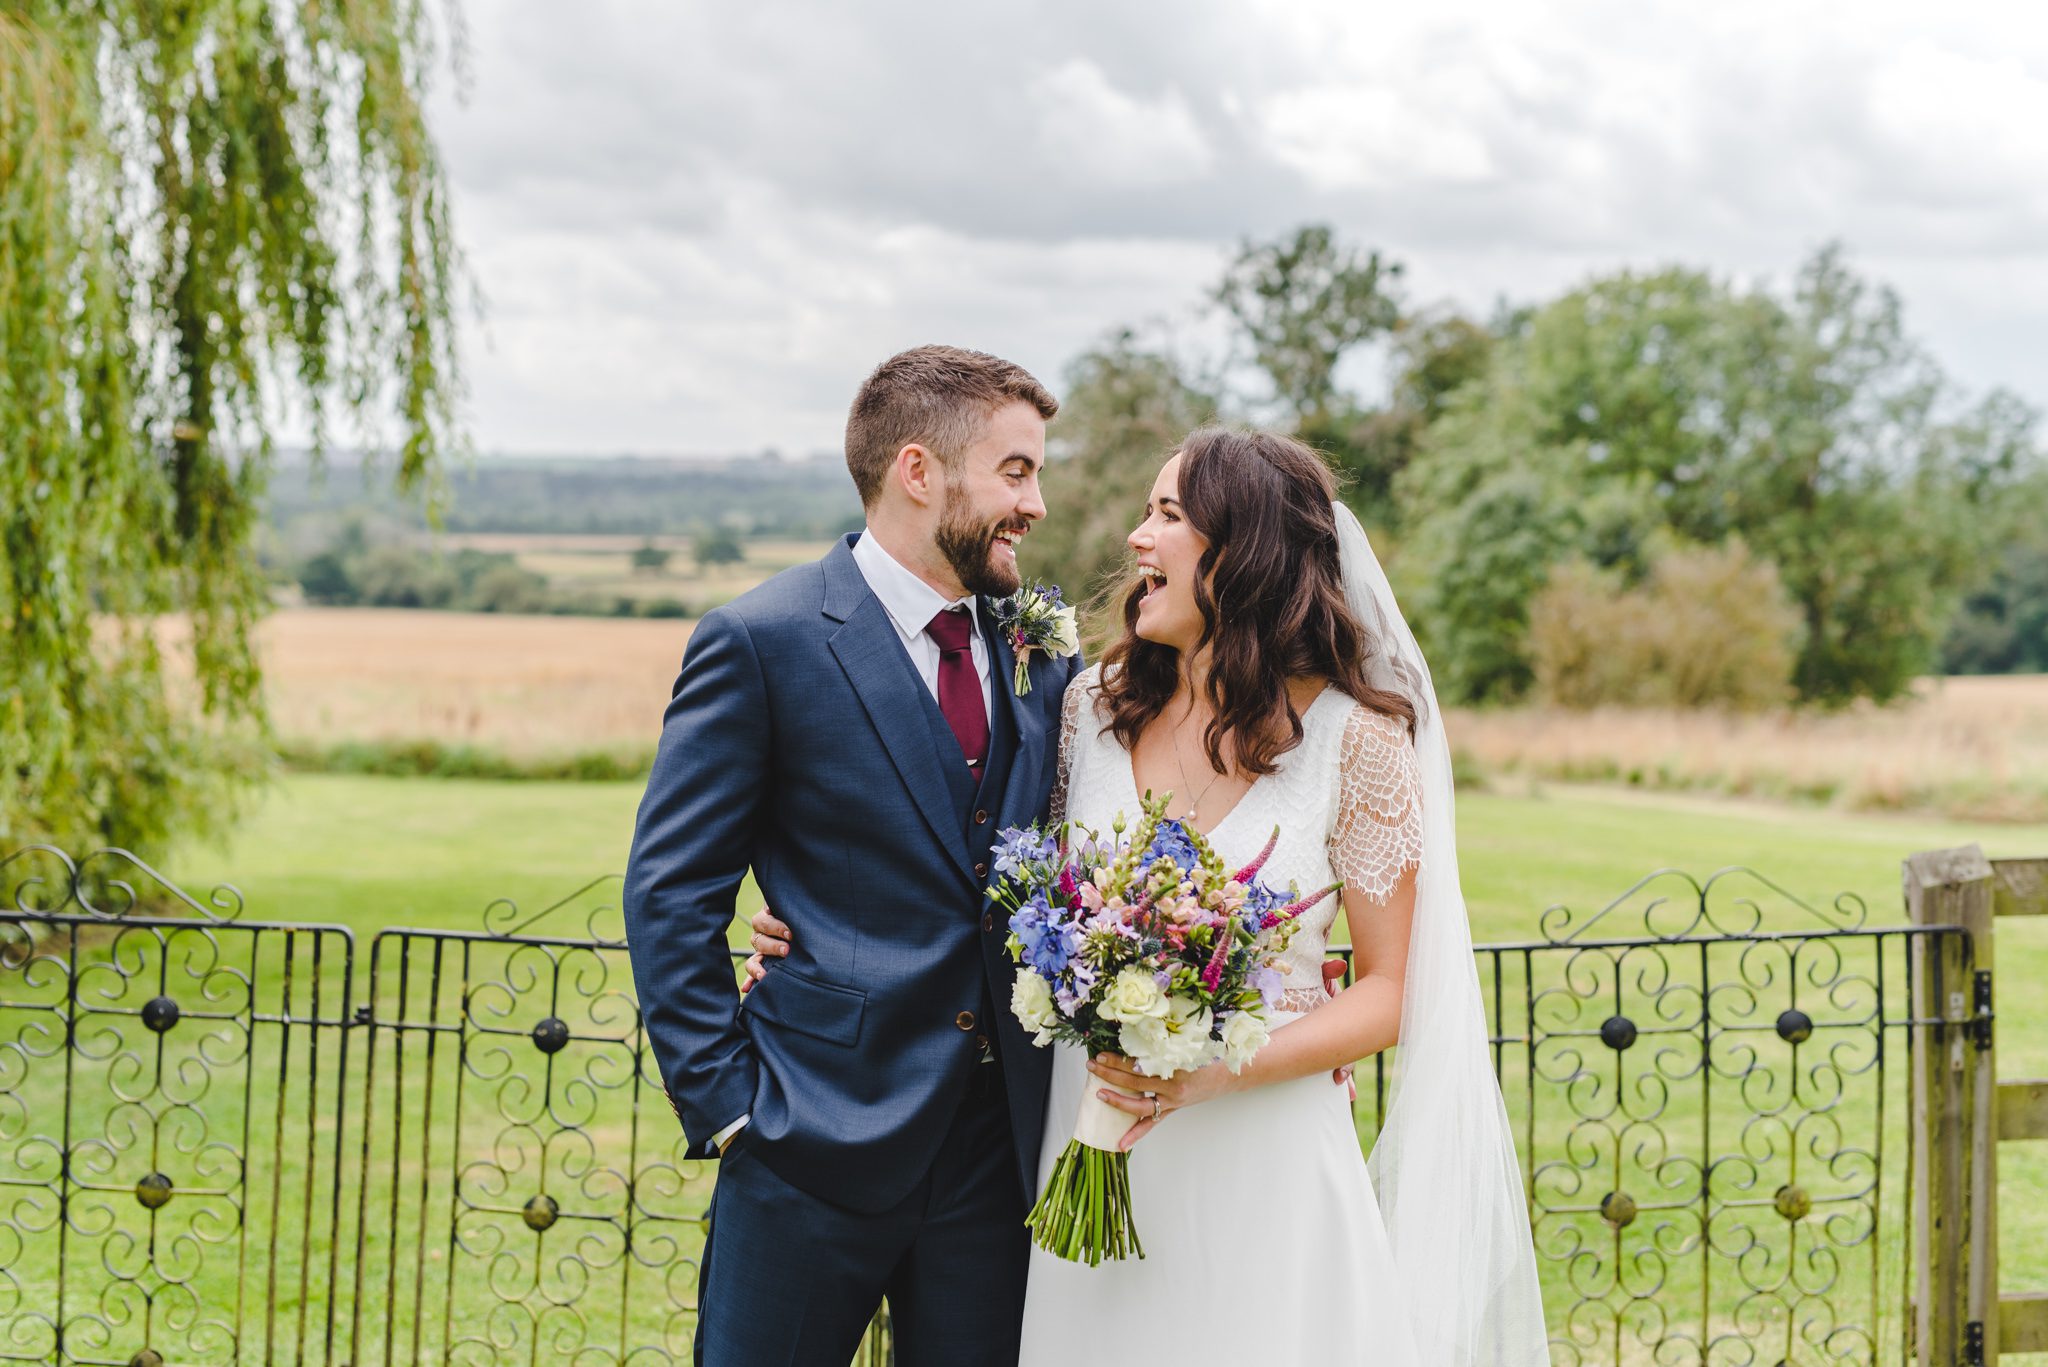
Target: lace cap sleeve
{"points": [[1070, 722], [1377, 836]]}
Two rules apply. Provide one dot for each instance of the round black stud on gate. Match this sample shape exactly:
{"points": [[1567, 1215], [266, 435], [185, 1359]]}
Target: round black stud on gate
{"points": [[550, 1035], [1792, 1202], [540, 1212], [1617, 1032], [148, 1357], [153, 1191], [1794, 1026], [1618, 1209], [159, 1014]]}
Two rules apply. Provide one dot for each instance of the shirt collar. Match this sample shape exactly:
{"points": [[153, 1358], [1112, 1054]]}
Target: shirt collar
{"points": [[910, 602]]}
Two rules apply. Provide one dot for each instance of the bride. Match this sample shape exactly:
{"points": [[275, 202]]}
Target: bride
{"points": [[1265, 678]]}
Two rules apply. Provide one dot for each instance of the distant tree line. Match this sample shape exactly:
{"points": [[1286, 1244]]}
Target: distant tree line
{"points": [[1659, 487], [623, 496], [356, 571]]}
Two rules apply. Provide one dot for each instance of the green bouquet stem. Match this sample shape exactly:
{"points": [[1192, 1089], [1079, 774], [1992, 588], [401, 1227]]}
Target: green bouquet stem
{"points": [[1084, 1214]]}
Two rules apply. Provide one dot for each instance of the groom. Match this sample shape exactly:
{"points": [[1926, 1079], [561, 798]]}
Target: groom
{"points": [[849, 733]]}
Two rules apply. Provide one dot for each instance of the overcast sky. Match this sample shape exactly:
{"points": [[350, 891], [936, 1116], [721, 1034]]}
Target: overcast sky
{"points": [[696, 226]]}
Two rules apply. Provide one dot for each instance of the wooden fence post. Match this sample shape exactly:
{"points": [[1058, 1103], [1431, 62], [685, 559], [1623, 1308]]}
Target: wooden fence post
{"points": [[1954, 1265], [2021, 1106]]}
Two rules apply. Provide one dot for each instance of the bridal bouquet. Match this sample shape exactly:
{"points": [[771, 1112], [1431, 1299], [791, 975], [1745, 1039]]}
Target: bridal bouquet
{"points": [[1147, 947]]}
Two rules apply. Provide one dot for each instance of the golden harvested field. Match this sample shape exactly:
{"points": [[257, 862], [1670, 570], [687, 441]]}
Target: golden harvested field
{"points": [[534, 687], [603, 565], [526, 686], [1968, 748]]}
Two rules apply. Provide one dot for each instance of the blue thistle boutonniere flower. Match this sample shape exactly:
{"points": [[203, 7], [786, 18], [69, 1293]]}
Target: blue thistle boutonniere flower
{"points": [[1035, 618]]}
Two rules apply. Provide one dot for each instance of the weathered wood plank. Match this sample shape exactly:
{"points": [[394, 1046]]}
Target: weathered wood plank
{"points": [[1954, 1277], [2023, 1109], [2022, 887], [2023, 1322]]}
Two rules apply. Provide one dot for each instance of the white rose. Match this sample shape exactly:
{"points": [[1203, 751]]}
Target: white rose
{"points": [[1066, 633], [1131, 996], [1031, 1003], [1244, 1034]]}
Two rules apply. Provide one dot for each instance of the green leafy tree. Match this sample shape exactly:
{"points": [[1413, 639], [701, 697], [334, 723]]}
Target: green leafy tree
{"points": [[1302, 302], [649, 558], [717, 546], [1127, 405], [2002, 627], [1811, 427], [209, 211]]}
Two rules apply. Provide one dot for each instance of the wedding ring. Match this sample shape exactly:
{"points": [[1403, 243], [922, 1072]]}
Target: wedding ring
{"points": [[1155, 1105]]}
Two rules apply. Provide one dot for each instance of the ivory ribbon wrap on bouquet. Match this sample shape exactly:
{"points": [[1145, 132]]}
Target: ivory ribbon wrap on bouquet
{"points": [[1100, 1125]]}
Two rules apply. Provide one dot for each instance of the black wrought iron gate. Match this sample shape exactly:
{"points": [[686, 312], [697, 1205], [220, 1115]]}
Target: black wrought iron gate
{"points": [[228, 1140]]}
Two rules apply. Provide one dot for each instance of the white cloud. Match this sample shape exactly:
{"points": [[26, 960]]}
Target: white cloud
{"points": [[1099, 133], [1350, 137]]}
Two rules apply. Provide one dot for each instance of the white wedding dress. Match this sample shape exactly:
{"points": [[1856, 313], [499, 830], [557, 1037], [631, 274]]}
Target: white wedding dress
{"points": [[1263, 1239]]}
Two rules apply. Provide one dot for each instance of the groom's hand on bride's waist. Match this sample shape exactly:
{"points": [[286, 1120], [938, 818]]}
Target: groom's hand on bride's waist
{"points": [[771, 941]]}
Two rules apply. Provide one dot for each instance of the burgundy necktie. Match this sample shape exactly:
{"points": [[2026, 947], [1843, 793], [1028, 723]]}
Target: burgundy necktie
{"points": [[959, 687]]}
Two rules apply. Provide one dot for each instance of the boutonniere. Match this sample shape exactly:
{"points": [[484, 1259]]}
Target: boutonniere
{"points": [[1034, 618]]}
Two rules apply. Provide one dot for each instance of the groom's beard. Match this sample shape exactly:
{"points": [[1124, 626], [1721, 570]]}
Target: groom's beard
{"points": [[969, 546]]}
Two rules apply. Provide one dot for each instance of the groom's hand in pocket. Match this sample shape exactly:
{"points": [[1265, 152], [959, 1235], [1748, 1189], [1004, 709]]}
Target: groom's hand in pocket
{"points": [[771, 941]]}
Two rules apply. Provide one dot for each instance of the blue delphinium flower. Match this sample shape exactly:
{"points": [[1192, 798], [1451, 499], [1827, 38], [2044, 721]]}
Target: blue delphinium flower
{"points": [[1048, 944], [1171, 842], [1019, 847]]}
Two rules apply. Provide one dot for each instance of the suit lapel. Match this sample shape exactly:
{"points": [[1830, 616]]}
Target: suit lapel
{"points": [[1027, 720], [869, 650]]}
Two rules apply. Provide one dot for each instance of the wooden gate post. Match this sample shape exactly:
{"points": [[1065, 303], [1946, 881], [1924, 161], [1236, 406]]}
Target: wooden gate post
{"points": [[2020, 1109], [1953, 1271]]}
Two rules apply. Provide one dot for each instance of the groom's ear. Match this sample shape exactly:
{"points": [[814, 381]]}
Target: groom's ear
{"points": [[916, 468]]}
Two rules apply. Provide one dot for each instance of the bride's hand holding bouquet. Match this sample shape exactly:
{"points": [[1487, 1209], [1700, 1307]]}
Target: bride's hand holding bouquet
{"points": [[1148, 951]]}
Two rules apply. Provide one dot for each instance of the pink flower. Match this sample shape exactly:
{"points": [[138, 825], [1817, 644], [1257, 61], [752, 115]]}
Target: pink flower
{"points": [[1213, 974], [1251, 870]]}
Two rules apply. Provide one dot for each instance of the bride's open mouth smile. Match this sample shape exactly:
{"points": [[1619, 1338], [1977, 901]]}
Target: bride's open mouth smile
{"points": [[1155, 579]]}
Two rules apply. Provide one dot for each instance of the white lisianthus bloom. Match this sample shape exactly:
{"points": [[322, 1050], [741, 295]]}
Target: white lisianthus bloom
{"points": [[1244, 1034], [1176, 1041], [1146, 1041], [1132, 996], [1066, 634], [1032, 1004]]}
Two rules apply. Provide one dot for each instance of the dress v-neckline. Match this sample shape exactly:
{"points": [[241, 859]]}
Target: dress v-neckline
{"points": [[1131, 777]]}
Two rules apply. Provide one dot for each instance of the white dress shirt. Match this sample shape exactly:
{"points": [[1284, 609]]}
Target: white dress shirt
{"points": [[911, 604]]}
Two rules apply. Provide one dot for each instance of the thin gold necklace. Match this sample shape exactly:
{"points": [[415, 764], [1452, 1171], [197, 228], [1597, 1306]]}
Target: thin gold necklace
{"points": [[1182, 764]]}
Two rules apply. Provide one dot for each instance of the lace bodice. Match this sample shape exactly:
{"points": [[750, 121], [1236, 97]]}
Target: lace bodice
{"points": [[1347, 802]]}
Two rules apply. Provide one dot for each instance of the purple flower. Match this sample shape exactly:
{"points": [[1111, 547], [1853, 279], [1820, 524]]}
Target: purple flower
{"points": [[1269, 983]]}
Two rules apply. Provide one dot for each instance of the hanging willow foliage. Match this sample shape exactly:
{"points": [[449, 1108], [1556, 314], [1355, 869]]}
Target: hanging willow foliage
{"points": [[216, 216]]}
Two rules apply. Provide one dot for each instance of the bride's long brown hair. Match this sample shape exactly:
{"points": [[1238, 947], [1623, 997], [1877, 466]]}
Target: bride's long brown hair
{"points": [[1271, 597]]}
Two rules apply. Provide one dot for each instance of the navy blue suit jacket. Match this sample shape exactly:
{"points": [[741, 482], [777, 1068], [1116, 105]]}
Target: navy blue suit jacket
{"points": [[797, 745]]}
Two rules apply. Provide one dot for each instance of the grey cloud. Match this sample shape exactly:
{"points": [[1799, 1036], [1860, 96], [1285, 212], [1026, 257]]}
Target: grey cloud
{"points": [[699, 224]]}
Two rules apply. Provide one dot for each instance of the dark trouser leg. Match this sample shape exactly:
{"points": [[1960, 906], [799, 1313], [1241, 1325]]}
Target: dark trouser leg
{"points": [[957, 1297], [789, 1280]]}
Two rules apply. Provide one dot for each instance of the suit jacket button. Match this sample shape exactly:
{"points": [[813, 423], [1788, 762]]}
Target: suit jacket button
{"points": [[981, 818], [965, 1020], [988, 922], [981, 870]]}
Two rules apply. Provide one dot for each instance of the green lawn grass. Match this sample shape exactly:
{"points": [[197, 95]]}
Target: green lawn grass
{"points": [[371, 854]]}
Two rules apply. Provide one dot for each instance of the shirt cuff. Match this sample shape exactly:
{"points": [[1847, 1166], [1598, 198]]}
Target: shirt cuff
{"points": [[718, 1140]]}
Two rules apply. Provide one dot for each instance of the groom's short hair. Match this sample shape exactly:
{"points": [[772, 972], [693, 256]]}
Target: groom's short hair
{"points": [[937, 397]]}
